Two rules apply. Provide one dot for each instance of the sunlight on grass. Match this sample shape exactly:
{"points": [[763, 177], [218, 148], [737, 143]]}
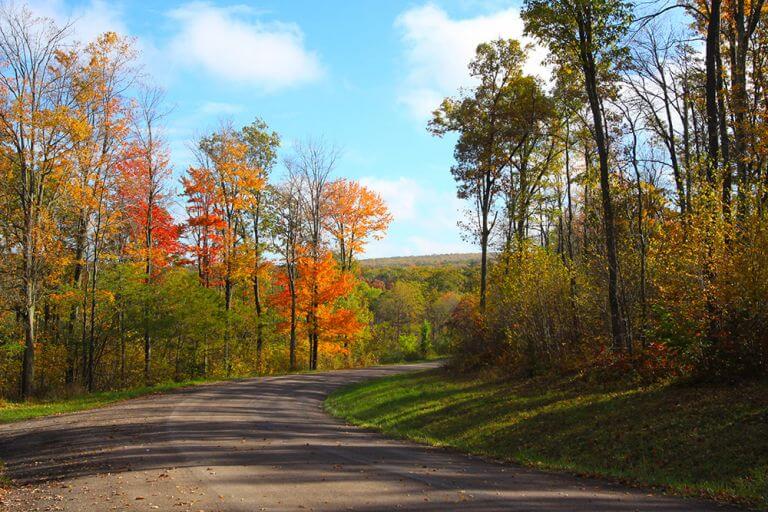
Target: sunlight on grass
{"points": [[697, 441]]}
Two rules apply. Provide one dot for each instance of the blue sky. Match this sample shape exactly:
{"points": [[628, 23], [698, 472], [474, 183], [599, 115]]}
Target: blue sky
{"points": [[361, 74]]}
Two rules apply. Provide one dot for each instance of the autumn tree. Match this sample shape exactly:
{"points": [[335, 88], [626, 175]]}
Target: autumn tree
{"points": [[238, 180], [310, 167], [315, 296], [261, 154], [484, 118], [286, 212], [145, 172], [36, 129], [100, 82], [356, 214], [205, 221], [588, 35]]}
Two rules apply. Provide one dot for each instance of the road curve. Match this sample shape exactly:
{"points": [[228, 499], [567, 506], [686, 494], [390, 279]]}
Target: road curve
{"points": [[266, 444]]}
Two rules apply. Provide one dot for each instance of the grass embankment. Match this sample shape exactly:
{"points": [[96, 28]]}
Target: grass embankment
{"points": [[18, 411], [707, 441]]}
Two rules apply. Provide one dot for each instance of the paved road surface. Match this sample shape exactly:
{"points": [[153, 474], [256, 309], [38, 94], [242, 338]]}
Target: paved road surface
{"points": [[266, 444]]}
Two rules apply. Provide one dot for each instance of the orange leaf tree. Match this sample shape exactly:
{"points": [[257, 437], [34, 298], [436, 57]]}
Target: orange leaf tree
{"points": [[318, 290], [355, 214], [205, 221]]}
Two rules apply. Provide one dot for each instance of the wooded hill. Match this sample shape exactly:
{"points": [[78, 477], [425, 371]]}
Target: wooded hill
{"points": [[428, 260]]}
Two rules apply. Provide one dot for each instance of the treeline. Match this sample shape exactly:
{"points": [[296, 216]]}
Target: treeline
{"points": [[413, 305], [102, 287], [427, 260], [626, 201]]}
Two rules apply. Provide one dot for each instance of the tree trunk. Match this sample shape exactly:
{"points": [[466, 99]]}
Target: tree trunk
{"points": [[28, 366], [618, 332], [256, 290], [259, 325], [483, 266], [725, 157], [569, 241], [148, 283], [292, 348], [228, 323], [712, 49]]}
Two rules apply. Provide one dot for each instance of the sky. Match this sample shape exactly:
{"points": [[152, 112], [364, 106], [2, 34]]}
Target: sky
{"points": [[361, 75]]}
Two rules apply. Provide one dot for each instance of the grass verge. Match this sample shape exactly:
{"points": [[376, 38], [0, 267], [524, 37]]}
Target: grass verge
{"points": [[707, 441], [18, 411]]}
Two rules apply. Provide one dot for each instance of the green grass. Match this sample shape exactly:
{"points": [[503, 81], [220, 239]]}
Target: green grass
{"points": [[18, 411], [707, 441]]}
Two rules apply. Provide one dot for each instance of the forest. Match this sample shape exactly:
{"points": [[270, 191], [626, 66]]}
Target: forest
{"points": [[618, 327], [621, 209], [620, 213], [597, 341], [116, 274]]}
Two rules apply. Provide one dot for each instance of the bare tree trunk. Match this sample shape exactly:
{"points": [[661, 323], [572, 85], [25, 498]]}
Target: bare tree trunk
{"points": [[292, 348], [483, 266], [725, 156], [228, 322], [259, 325], [28, 366], [712, 49], [618, 332], [575, 334]]}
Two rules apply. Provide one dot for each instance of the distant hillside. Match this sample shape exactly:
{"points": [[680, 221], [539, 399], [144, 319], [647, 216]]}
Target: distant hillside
{"points": [[427, 260]]}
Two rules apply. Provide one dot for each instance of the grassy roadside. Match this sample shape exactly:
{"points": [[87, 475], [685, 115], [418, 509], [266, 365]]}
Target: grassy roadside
{"points": [[697, 441]]}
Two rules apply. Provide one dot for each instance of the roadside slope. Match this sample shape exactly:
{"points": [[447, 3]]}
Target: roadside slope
{"points": [[267, 444], [707, 441]]}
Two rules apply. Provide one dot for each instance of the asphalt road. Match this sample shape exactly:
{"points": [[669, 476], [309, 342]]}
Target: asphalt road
{"points": [[266, 444]]}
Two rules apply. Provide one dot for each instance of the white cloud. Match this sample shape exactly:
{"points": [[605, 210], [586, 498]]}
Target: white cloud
{"points": [[438, 50], [424, 220], [95, 17], [401, 195], [228, 46], [88, 20]]}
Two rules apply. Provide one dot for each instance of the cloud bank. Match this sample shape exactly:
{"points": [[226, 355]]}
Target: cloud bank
{"points": [[437, 50], [228, 44]]}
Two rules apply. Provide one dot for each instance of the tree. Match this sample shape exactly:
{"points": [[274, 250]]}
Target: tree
{"points": [[99, 84], [655, 58], [588, 35], [355, 215], [35, 128], [238, 180], [262, 155], [319, 288], [162, 246], [741, 20], [402, 306], [205, 221], [310, 168], [484, 118], [536, 148], [147, 170], [286, 211]]}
